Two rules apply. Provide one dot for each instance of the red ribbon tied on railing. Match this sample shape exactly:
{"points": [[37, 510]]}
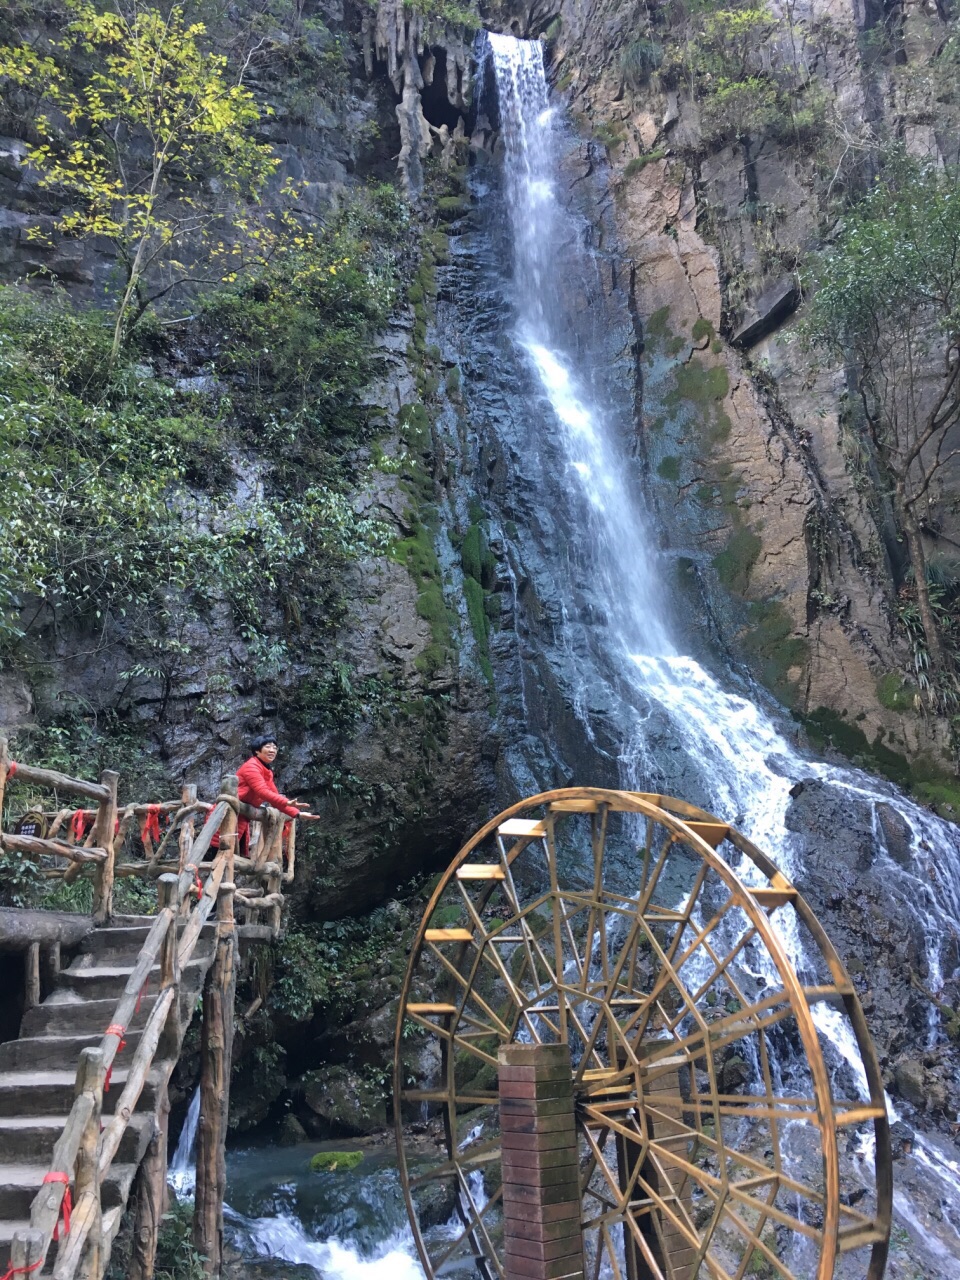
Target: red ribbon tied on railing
{"points": [[66, 1205], [198, 883], [20, 1271], [151, 824], [11, 769], [78, 823], [114, 1029]]}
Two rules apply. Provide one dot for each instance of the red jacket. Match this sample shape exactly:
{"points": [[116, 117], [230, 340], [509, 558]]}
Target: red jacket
{"points": [[257, 787]]}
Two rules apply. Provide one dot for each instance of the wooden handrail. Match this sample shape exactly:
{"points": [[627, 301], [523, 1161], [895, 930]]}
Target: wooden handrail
{"points": [[60, 782], [45, 848]]}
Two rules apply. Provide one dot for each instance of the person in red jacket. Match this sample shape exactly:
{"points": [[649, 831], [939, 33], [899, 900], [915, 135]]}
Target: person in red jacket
{"points": [[257, 787]]}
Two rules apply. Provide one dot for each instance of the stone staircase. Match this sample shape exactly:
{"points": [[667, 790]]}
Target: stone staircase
{"points": [[38, 1070]]}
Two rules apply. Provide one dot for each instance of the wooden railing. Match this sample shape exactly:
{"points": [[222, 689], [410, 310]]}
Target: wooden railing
{"points": [[84, 1153]]}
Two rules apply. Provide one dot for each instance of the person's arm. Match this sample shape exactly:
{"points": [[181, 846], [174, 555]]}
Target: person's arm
{"points": [[267, 793]]}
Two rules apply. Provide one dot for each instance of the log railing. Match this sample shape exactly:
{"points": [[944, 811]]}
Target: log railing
{"points": [[187, 889]]}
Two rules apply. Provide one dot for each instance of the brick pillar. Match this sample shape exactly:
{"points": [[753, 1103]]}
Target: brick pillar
{"points": [[541, 1173]]}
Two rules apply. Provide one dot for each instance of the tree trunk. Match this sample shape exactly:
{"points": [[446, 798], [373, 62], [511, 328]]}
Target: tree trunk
{"points": [[939, 662]]}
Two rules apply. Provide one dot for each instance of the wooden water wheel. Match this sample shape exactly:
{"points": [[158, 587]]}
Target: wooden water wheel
{"points": [[718, 1103]]}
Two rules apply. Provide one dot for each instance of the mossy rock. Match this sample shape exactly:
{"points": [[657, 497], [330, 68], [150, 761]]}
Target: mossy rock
{"points": [[895, 693], [452, 207], [778, 652], [335, 1161]]}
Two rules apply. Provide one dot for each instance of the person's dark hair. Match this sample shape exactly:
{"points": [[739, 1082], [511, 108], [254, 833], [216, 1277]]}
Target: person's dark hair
{"points": [[261, 741]]}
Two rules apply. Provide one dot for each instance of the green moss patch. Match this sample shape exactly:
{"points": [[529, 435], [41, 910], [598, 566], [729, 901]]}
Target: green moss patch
{"points": [[895, 693], [700, 384], [702, 328], [734, 562], [335, 1161], [639, 163], [669, 468], [657, 327], [479, 624], [776, 650]]}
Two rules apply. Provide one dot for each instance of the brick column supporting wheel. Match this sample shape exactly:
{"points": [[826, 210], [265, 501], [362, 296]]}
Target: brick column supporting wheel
{"points": [[541, 1176]]}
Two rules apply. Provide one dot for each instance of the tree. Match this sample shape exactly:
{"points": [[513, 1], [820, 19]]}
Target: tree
{"points": [[145, 126], [887, 304]]}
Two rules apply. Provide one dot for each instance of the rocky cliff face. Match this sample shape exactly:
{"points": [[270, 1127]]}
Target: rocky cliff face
{"points": [[789, 551]]}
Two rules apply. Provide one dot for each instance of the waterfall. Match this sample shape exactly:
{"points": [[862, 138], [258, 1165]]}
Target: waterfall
{"points": [[743, 766], [182, 1172]]}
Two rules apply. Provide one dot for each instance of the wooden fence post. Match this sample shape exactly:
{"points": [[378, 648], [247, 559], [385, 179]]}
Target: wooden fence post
{"points": [[90, 1078], [31, 973], [216, 1052], [151, 1197], [104, 835], [26, 1250]]}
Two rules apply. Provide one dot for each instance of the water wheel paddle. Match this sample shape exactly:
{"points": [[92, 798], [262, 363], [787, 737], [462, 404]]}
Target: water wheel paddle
{"points": [[718, 1104]]}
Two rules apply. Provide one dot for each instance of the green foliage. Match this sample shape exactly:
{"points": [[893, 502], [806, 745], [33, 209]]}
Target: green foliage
{"points": [[111, 468], [749, 69], [21, 882], [328, 965], [639, 59], [639, 163], [447, 12], [177, 1257], [330, 1161], [145, 123], [669, 468], [702, 328], [887, 304]]}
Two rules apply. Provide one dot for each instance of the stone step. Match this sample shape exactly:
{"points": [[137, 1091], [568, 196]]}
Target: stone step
{"points": [[111, 1225], [51, 1052], [73, 1016], [127, 941], [45, 1093], [26, 1138], [96, 982], [19, 1184]]}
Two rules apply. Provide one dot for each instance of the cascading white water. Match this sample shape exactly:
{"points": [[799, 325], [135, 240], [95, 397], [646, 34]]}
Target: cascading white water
{"points": [[182, 1174], [746, 765]]}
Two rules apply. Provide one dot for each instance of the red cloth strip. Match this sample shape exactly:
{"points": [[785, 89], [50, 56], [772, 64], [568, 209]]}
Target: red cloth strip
{"points": [[151, 824], [11, 769], [21, 1271], [198, 883], [78, 823], [66, 1205], [114, 1029]]}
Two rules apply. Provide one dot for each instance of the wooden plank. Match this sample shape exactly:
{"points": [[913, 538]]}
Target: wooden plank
{"points": [[449, 935], [859, 1237], [574, 806], [426, 1009], [771, 898], [713, 833], [858, 1115], [533, 828], [480, 871]]}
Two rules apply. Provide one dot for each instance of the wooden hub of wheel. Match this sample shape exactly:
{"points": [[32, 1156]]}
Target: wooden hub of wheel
{"points": [[632, 1041]]}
